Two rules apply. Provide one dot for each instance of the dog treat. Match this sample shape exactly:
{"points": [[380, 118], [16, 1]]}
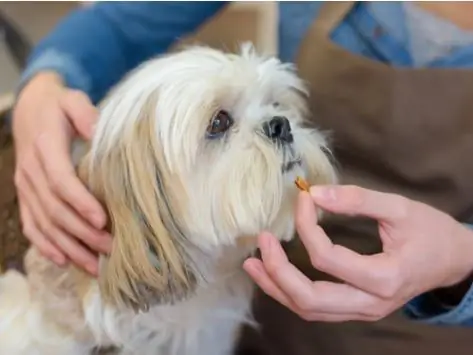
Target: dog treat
{"points": [[302, 184]]}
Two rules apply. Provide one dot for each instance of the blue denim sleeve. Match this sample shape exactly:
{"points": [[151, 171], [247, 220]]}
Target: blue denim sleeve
{"points": [[94, 46], [462, 315]]}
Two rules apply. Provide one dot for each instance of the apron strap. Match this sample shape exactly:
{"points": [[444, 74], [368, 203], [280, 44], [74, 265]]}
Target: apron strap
{"points": [[330, 15]]}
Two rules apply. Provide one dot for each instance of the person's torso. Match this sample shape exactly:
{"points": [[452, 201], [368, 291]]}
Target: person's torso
{"points": [[398, 33], [399, 117]]}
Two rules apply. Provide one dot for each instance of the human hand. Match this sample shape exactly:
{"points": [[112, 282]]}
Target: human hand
{"points": [[58, 213], [423, 249]]}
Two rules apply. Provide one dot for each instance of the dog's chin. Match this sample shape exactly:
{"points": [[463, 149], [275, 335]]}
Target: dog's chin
{"points": [[291, 166]]}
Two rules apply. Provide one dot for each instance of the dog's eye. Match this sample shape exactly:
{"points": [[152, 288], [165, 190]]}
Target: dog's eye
{"points": [[275, 104], [219, 124]]}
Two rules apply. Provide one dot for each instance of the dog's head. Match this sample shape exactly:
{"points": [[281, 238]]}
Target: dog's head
{"points": [[193, 151]]}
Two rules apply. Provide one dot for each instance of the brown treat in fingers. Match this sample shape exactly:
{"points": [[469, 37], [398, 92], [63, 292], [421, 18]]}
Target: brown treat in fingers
{"points": [[302, 184]]}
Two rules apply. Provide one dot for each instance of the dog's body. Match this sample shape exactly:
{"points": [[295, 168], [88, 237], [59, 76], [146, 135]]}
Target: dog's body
{"points": [[194, 154], [70, 317]]}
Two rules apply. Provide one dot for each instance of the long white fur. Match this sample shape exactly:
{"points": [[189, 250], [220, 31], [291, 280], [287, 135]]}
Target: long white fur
{"points": [[235, 188]]}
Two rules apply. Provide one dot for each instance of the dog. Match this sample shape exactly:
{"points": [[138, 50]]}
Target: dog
{"points": [[194, 154]]}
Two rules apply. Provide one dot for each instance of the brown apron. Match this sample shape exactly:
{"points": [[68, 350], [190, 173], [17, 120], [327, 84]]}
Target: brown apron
{"points": [[408, 131]]}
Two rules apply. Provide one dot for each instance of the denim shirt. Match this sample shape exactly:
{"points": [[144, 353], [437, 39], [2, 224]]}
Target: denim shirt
{"points": [[93, 47]]}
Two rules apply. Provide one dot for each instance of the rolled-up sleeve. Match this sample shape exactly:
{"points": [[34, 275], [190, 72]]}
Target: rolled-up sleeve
{"points": [[420, 309], [94, 46]]}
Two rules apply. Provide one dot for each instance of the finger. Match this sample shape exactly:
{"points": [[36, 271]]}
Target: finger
{"points": [[285, 275], [335, 318], [340, 298], [31, 231], [62, 215], [61, 175], [375, 274], [354, 200], [78, 254], [81, 112], [75, 252], [256, 270], [325, 309]]}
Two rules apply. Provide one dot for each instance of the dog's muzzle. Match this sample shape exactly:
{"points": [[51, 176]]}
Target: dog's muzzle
{"points": [[278, 129]]}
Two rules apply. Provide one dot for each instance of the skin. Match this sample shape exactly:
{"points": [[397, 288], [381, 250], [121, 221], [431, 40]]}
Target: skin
{"points": [[59, 216], [423, 249]]}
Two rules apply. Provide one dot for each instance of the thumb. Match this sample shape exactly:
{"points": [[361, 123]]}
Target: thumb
{"points": [[80, 111], [358, 201]]}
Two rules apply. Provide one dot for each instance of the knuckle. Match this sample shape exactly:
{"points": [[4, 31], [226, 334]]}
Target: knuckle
{"points": [[18, 179], [300, 221], [400, 207], [38, 144], [79, 259], [75, 94], [354, 195], [55, 212], [56, 183], [387, 290], [47, 229], [318, 261], [390, 286], [45, 251], [25, 164], [304, 305], [29, 231], [378, 312], [305, 316], [272, 268], [74, 98], [318, 258], [91, 239]]}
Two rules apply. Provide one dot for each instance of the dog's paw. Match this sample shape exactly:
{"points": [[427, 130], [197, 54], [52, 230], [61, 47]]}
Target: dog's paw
{"points": [[14, 290]]}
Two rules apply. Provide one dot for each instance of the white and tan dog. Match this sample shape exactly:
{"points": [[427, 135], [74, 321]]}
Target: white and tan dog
{"points": [[194, 154]]}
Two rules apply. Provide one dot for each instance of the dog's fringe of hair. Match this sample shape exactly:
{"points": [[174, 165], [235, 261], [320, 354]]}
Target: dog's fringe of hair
{"points": [[141, 220]]}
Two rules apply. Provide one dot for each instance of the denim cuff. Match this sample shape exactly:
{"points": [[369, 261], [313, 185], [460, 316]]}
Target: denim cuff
{"points": [[52, 60], [418, 309]]}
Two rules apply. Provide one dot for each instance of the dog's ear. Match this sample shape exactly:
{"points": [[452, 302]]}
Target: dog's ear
{"points": [[151, 258]]}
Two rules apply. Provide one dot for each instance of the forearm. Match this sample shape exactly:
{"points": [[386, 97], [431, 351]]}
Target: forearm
{"points": [[95, 46]]}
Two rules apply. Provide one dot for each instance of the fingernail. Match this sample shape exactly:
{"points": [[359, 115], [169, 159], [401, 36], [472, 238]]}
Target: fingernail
{"points": [[254, 267], [266, 242], [257, 269], [60, 262], [107, 244], [92, 269], [96, 220], [323, 193], [59, 259]]}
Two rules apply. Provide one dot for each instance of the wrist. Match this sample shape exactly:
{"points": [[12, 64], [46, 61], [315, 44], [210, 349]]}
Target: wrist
{"points": [[451, 294], [41, 83], [45, 79]]}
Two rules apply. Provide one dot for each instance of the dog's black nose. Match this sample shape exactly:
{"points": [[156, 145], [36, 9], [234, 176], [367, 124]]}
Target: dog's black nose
{"points": [[278, 128]]}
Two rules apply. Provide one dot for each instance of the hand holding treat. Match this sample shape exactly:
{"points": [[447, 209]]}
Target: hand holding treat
{"points": [[423, 249]]}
